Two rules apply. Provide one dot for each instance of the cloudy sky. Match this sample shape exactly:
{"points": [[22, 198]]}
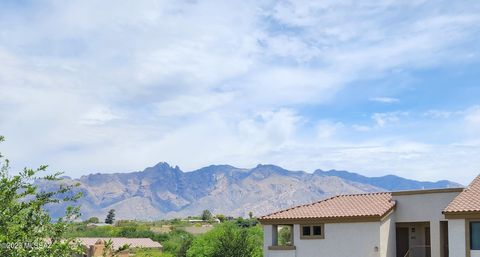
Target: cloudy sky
{"points": [[374, 86]]}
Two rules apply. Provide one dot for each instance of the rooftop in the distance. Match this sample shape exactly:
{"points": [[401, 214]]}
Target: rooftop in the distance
{"points": [[120, 241]]}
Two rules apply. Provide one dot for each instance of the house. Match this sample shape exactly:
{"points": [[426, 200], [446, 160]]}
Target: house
{"points": [[422, 223], [95, 246]]}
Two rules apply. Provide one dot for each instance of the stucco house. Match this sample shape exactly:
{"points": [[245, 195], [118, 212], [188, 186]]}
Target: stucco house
{"points": [[422, 223]]}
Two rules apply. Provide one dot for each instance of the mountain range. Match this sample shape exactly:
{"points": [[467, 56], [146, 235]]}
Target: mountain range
{"points": [[163, 191]]}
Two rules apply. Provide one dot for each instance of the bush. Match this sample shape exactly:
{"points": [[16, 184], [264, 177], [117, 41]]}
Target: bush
{"points": [[228, 240]]}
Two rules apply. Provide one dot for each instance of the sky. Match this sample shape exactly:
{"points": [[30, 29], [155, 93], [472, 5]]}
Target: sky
{"points": [[375, 87]]}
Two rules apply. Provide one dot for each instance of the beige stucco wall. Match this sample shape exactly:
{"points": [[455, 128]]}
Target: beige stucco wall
{"points": [[341, 240], [267, 239], [425, 208], [456, 236], [388, 237]]}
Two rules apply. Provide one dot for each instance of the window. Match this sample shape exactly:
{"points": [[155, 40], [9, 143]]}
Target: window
{"points": [[306, 230], [285, 235], [317, 230], [312, 231], [475, 235], [282, 237]]}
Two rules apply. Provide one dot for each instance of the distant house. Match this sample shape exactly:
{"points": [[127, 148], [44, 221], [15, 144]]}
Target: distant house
{"points": [[202, 221], [95, 246], [423, 223], [93, 225]]}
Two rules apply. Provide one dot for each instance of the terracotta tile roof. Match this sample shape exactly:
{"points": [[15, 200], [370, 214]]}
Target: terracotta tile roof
{"points": [[373, 205], [468, 200], [120, 241]]}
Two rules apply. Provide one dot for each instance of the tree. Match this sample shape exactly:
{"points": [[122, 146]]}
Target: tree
{"points": [[206, 215], [221, 217], [228, 240], [92, 220], [178, 243], [110, 217], [26, 227], [250, 214]]}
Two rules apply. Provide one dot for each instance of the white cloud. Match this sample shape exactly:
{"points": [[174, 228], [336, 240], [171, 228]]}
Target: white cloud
{"points": [[193, 104], [201, 82], [387, 100], [383, 119], [472, 116], [99, 116]]}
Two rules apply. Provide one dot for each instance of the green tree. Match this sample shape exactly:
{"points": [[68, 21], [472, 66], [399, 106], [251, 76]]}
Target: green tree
{"points": [[110, 217], [228, 240], [185, 244], [250, 215], [92, 220], [206, 215], [178, 243], [221, 217], [26, 227]]}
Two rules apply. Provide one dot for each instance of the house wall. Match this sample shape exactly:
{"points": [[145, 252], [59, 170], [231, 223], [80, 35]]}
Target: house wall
{"points": [[267, 239], [456, 236], [341, 240], [425, 208], [388, 237]]}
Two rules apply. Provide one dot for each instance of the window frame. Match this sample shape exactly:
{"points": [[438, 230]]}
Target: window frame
{"points": [[275, 238], [311, 236]]}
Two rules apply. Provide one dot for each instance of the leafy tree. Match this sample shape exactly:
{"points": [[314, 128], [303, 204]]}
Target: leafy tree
{"points": [[250, 214], [206, 215], [26, 227], [185, 244], [178, 243], [221, 217], [110, 217], [92, 220], [228, 240]]}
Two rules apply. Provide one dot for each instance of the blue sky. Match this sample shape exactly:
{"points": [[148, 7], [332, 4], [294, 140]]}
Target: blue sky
{"points": [[374, 87]]}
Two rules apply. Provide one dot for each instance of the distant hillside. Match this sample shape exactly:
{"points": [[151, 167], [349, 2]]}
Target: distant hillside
{"points": [[163, 191], [389, 182]]}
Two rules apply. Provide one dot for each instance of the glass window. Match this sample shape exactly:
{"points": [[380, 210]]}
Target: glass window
{"points": [[306, 231], [475, 235], [312, 231]]}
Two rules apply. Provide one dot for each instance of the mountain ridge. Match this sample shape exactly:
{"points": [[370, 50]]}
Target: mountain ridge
{"points": [[163, 191]]}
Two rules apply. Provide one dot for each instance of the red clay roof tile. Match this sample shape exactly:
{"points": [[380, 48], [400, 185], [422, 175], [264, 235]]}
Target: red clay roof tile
{"points": [[468, 200], [342, 206]]}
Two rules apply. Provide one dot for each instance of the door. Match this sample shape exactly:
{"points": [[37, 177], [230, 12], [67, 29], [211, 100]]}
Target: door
{"points": [[403, 243], [444, 237], [428, 251]]}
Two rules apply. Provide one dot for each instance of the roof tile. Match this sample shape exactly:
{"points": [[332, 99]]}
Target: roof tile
{"points": [[342, 206], [468, 200], [120, 241]]}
